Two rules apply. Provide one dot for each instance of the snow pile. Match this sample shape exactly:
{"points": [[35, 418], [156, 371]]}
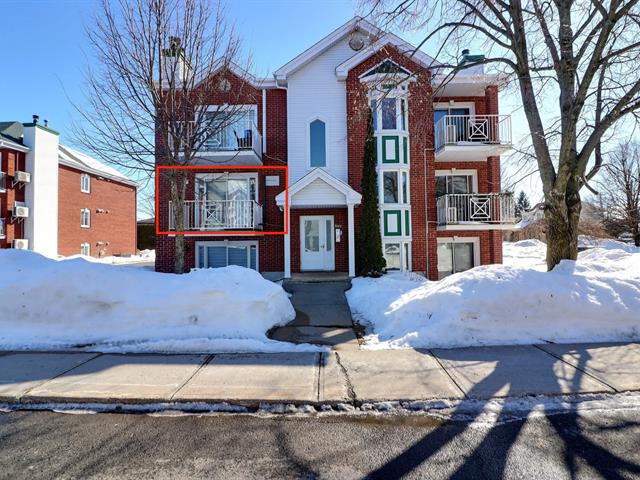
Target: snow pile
{"points": [[596, 298], [144, 256], [525, 253], [586, 241], [46, 303]]}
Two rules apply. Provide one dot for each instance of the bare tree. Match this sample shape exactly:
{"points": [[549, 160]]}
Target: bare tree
{"points": [[582, 53], [619, 186], [147, 100]]}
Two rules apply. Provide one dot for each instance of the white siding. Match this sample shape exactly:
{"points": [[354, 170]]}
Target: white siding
{"points": [[314, 92], [318, 192]]}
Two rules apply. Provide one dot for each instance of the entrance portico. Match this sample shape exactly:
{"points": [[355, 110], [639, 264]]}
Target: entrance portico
{"points": [[316, 226]]}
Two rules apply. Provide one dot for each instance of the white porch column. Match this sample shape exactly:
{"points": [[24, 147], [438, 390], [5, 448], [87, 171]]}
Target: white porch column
{"points": [[352, 243], [287, 245]]}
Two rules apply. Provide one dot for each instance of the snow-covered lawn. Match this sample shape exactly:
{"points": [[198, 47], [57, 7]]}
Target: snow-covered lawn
{"points": [[55, 304], [144, 256], [596, 298]]}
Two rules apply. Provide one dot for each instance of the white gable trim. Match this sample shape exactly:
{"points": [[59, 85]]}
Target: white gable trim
{"points": [[327, 42], [351, 196], [405, 48]]}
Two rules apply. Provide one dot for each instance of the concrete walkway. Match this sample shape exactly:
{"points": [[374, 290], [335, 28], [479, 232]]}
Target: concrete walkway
{"points": [[323, 316], [350, 376]]}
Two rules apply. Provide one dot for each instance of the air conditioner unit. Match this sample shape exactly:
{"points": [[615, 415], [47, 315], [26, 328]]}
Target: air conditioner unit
{"points": [[20, 211], [452, 134], [20, 244], [22, 177]]}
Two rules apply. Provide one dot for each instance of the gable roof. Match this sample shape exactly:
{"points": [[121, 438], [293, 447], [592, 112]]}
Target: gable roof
{"points": [[351, 196], [80, 161]]}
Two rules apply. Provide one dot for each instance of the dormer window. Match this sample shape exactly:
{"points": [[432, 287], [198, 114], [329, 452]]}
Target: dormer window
{"points": [[317, 144]]}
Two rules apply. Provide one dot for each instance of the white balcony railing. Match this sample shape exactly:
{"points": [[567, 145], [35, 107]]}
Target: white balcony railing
{"points": [[473, 130], [239, 137], [219, 215], [492, 208]]}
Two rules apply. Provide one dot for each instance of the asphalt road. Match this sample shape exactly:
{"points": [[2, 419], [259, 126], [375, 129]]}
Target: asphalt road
{"points": [[37, 445]]}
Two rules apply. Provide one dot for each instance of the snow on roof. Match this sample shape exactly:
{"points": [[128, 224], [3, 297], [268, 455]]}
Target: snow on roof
{"points": [[80, 161]]}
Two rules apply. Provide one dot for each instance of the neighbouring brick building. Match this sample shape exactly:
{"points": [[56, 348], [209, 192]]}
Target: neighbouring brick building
{"points": [[438, 149], [58, 201]]}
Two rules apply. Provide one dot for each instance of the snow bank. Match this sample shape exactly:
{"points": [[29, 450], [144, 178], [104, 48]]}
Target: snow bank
{"points": [[46, 303], [144, 256], [596, 298]]}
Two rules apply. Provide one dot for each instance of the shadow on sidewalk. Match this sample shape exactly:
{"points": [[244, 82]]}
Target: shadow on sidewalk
{"points": [[489, 458]]}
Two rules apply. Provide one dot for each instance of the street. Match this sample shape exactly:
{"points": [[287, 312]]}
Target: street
{"points": [[597, 444]]}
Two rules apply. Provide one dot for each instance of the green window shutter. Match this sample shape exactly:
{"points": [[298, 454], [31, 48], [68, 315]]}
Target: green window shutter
{"points": [[392, 223], [392, 156], [405, 150]]}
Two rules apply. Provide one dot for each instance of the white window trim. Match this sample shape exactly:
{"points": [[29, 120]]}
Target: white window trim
{"points": [[203, 177], [228, 243], [398, 95], [88, 246], [402, 243], [86, 177], [461, 172], [459, 239], [327, 130], [442, 105], [82, 211]]}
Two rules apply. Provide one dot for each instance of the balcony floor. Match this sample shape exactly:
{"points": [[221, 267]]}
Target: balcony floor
{"points": [[475, 226], [228, 158], [469, 151]]}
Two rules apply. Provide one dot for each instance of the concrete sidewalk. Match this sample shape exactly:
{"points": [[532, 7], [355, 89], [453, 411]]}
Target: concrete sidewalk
{"points": [[353, 376]]}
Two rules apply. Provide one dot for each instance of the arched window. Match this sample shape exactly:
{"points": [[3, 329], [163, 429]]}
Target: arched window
{"points": [[317, 144]]}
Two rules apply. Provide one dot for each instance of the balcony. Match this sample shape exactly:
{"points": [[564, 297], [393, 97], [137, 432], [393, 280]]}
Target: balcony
{"points": [[476, 211], [472, 137], [206, 215]]}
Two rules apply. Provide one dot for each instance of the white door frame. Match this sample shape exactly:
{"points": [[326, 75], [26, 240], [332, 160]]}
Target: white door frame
{"points": [[326, 258]]}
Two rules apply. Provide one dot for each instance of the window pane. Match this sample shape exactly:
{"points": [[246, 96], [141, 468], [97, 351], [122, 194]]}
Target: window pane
{"points": [[438, 114], [216, 190], [237, 256], [216, 257], [406, 257], [392, 255], [253, 254], [312, 235], [390, 187], [237, 189], [463, 256], [460, 184], [374, 113], [445, 259], [389, 114], [318, 152], [441, 186], [329, 235], [403, 114], [405, 197]]}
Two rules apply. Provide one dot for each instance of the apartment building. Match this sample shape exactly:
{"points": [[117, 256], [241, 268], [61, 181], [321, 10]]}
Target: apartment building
{"points": [[438, 152]]}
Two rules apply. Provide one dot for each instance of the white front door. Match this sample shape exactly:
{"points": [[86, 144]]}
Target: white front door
{"points": [[317, 246]]}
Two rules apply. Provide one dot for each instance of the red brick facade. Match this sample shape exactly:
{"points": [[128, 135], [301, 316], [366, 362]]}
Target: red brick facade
{"points": [[113, 215], [12, 160], [423, 165]]}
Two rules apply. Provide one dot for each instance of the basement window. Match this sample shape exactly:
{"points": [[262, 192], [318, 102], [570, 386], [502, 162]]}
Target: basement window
{"points": [[85, 249]]}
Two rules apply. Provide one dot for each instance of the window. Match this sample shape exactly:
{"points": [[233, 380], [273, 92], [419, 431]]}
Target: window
{"points": [[389, 120], [447, 184], [217, 254], [85, 183], [85, 249], [395, 187], [317, 144], [232, 128], [397, 255], [456, 256], [85, 218]]}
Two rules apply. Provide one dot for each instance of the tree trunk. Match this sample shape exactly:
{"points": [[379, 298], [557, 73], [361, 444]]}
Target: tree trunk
{"points": [[177, 200], [562, 214]]}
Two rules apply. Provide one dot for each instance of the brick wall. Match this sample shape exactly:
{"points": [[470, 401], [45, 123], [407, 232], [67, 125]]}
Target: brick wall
{"points": [[10, 160], [113, 215], [271, 247], [420, 144]]}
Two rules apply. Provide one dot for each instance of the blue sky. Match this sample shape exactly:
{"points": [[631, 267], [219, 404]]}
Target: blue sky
{"points": [[44, 54]]}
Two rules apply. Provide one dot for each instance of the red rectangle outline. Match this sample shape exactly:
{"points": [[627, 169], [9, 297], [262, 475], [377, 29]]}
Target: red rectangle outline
{"points": [[226, 168]]}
